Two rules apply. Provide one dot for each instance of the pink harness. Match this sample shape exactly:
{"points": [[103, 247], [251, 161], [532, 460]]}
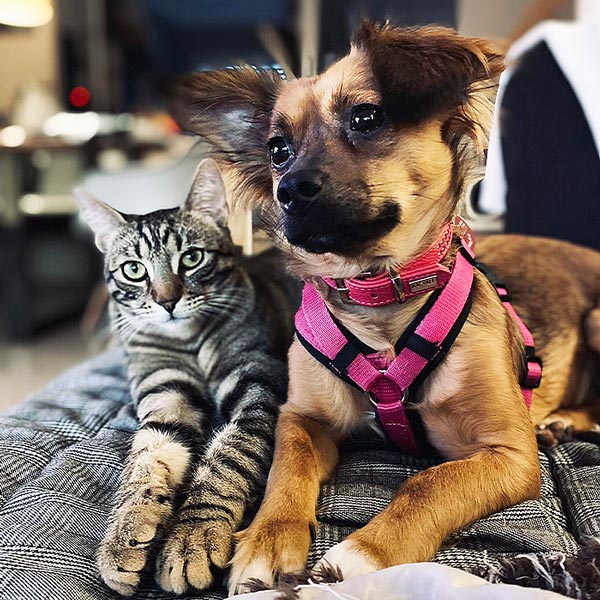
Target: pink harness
{"points": [[422, 345]]}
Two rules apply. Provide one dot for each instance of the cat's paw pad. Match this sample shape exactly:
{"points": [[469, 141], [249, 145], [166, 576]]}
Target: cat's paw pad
{"points": [[124, 551], [551, 434], [190, 551]]}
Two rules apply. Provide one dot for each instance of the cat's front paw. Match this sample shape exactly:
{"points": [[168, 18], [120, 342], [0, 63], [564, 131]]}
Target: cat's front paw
{"points": [[193, 546], [133, 530]]}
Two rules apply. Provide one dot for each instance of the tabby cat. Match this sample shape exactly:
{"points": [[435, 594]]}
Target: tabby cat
{"points": [[205, 338]]}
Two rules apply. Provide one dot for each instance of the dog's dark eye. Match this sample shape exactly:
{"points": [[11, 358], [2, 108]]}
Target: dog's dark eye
{"points": [[366, 118], [280, 151]]}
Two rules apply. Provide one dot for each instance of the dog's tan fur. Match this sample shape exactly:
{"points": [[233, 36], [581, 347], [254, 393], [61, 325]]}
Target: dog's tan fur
{"points": [[435, 87]]}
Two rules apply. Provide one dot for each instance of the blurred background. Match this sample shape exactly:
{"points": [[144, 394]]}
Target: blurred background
{"points": [[81, 103]]}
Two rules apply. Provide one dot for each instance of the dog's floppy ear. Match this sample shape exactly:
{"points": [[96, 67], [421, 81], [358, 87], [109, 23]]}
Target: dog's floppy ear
{"points": [[231, 110], [424, 71]]}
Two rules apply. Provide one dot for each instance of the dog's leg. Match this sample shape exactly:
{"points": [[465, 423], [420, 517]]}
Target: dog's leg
{"points": [[559, 425], [280, 535], [433, 504], [496, 466], [581, 418]]}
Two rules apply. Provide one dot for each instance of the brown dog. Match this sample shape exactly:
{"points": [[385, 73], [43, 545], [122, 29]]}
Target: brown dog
{"points": [[359, 169]]}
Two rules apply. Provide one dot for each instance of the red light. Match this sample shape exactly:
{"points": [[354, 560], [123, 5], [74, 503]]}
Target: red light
{"points": [[79, 96]]}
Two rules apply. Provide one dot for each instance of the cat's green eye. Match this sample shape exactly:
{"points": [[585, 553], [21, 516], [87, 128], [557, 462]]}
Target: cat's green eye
{"points": [[134, 270], [191, 258]]}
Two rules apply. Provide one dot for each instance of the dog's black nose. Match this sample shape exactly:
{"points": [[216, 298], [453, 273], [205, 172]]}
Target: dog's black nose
{"points": [[296, 189]]}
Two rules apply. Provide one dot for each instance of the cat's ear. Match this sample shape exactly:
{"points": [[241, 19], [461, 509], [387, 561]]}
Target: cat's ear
{"points": [[207, 197], [103, 220]]}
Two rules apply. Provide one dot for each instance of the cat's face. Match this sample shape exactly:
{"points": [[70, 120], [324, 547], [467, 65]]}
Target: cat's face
{"points": [[168, 266]]}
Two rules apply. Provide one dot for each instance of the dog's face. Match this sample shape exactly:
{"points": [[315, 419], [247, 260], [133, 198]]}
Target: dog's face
{"points": [[357, 168], [348, 179]]}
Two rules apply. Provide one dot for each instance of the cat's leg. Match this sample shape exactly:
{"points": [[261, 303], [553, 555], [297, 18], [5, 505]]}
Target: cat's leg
{"points": [[171, 426], [227, 479]]}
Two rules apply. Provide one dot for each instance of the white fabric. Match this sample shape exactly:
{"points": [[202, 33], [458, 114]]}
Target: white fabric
{"points": [[576, 48], [420, 581], [588, 10]]}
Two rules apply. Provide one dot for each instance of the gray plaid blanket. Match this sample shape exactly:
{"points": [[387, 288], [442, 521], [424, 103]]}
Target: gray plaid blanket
{"points": [[61, 455]]}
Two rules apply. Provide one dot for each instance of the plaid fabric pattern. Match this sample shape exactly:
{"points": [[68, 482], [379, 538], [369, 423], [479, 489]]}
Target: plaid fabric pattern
{"points": [[61, 455]]}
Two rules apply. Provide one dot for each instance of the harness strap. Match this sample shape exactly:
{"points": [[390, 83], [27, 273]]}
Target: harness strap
{"points": [[533, 363], [436, 325]]}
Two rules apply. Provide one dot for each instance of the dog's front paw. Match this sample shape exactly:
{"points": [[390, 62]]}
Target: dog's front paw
{"points": [[268, 548], [134, 528], [192, 547], [345, 560]]}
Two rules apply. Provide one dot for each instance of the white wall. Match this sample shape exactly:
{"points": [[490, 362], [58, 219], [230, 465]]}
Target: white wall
{"points": [[497, 18], [27, 55]]}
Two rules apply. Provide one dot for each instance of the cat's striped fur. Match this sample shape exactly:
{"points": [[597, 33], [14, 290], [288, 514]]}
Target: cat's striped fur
{"points": [[205, 347]]}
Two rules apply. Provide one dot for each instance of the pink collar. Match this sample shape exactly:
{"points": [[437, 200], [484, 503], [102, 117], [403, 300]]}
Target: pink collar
{"points": [[425, 274]]}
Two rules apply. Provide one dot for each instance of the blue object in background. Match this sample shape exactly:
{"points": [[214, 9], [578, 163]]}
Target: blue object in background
{"points": [[199, 15]]}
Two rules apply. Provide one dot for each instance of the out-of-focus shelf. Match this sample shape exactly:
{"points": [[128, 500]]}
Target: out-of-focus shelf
{"points": [[40, 205], [40, 143]]}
